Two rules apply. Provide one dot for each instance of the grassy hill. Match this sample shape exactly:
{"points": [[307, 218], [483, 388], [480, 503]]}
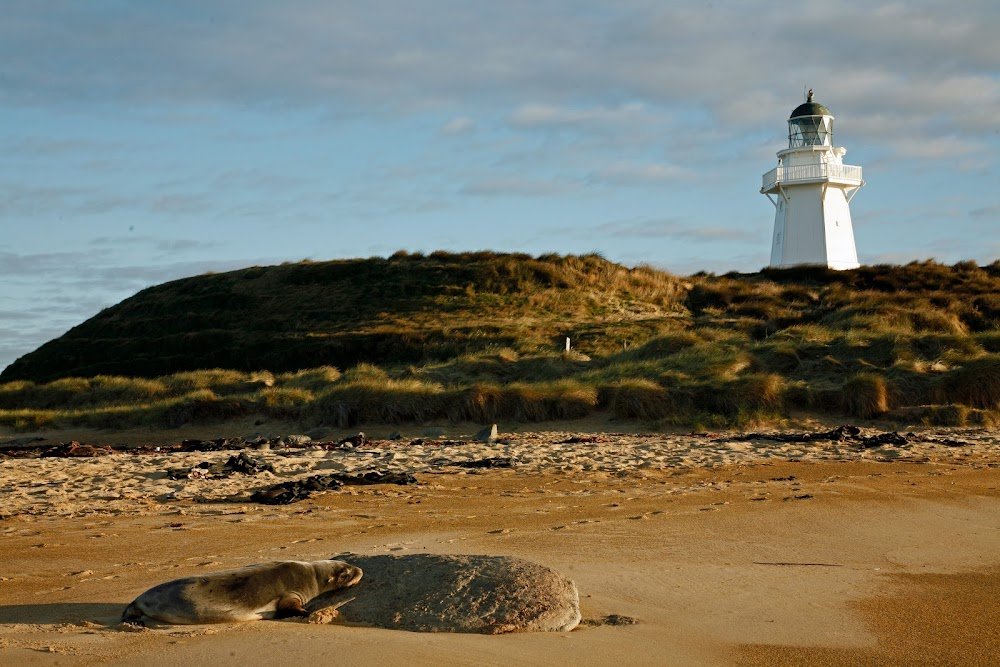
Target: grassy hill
{"points": [[403, 309], [480, 336]]}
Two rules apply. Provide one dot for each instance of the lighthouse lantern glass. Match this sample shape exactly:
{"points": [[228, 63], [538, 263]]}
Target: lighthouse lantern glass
{"points": [[810, 131]]}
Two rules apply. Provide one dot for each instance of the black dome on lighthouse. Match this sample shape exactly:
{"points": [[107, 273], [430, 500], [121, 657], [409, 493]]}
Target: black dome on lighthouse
{"points": [[810, 108]]}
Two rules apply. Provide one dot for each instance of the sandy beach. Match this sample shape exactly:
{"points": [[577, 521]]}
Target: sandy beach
{"points": [[725, 550]]}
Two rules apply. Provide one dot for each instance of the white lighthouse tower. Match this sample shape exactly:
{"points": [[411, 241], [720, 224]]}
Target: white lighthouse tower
{"points": [[811, 189]]}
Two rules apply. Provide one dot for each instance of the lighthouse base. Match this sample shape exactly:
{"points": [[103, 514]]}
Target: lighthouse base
{"points": [[812, 225]]}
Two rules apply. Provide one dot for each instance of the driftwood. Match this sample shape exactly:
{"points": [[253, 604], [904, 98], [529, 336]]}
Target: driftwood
{"points": [[296, 490], [864, 438]]}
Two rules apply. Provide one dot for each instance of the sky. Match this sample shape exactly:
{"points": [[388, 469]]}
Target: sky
{"points": [[146, 141]]}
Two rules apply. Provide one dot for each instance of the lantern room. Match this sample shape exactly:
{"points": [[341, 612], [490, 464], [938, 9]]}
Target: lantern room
{"points": [[810, 124]]}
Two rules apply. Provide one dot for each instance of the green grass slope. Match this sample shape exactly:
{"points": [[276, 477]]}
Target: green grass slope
{"points": [[479, 337]]}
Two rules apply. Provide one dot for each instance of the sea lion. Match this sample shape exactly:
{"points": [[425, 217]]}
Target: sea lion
{"points": [[266, 590]]}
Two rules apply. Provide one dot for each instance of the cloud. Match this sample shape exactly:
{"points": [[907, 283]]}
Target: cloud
{"points": [[518, 186], [668, 228], [257, 179], [27, 147], [930, 71], [459, 125], [624, 173], [181, 204], [986, 212], [551, 115]]}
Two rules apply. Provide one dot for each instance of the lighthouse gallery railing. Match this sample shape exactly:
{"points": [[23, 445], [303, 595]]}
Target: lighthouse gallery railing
{"points": [[812, 172]]}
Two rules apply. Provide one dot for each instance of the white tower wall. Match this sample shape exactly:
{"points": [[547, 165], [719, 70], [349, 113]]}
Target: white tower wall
{"points": [[841, 252], [812, 225]]}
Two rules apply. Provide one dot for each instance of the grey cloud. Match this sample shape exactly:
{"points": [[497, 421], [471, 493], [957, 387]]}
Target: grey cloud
{"points": [[516, 186], [459, 125], [986, 212], [257, 179], [181, 204], [552, 115], [664, 228], [17, 265], [163, 245], [675, 229], [183, 245], [123, 240], [47, 147], [625, 173], [915, 81], [312, 52], [18, 200], [98, 268], [9, 316]]}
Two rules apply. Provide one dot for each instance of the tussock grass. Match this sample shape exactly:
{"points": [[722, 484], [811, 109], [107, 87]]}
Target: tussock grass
{"points": [[362, 398], [638, 398], [750, 394], [219, 380], [283, 402], [976, 383], [663, 346], [310, 379], [865, 395]]}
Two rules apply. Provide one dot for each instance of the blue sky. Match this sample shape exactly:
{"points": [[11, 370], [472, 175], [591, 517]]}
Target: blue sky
{"points": [[146, 141]]}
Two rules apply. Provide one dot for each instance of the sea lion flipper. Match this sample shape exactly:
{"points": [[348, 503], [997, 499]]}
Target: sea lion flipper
{"points": [[290, 605]]}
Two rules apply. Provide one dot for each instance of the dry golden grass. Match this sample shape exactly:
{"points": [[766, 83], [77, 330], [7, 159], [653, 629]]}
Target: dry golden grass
{"points": [[975, 383], [865, 395]]}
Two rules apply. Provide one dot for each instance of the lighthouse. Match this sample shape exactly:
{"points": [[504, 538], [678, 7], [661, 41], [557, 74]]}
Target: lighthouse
{"points": [[811, 189]]}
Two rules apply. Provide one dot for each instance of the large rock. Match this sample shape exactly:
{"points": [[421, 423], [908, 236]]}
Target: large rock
{"points": [[480, 594]]}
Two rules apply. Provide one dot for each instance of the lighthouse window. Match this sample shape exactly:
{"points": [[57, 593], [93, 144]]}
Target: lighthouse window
{"points": [[809, 131]]}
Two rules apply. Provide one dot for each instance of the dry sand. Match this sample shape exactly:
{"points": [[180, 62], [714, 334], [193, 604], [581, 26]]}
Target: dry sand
{"points": [[727, 552]]}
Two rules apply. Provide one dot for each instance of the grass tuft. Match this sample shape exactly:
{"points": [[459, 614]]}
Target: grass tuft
{"points": [[976, 383], [865, 395], [637, 398]]}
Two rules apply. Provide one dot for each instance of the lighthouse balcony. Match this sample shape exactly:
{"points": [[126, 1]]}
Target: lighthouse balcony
{"points": [[842, 174]]}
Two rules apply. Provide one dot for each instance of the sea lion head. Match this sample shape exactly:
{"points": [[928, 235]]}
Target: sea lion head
{"points": [[337, 574]]}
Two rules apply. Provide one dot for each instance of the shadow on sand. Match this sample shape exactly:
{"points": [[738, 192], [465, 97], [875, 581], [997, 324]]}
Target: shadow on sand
{"points": [[102, 613]]}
